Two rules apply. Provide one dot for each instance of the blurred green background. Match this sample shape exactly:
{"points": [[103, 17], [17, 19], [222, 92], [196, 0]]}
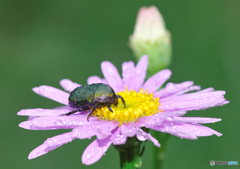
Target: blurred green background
{"points": [[44, 41]]}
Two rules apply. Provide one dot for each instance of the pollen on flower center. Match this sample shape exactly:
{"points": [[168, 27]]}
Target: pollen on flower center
{"points": [[137, 105]]}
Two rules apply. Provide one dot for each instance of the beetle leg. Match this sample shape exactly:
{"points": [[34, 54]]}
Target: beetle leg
{"points": [[92, 111], [74, 111], [122, 100], [109, 108]]}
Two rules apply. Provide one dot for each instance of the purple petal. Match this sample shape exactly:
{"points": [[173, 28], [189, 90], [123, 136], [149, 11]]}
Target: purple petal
{"points": [[112, 76], [128, 73], [192, 88], [142, 136], [104, 129], [51, 144], [148, 121], [86, 131], [140, 72], [68, 85], [157, 80], [32, 117], [95, 79], [196, 120], [96, 150], [210, 89], [52, 93], [172, 88], [222, 103], [55, 122], [192, 101], [118, 138], [175, 113], [128, 130], [188, 131], [191, 96], [43, 112]]}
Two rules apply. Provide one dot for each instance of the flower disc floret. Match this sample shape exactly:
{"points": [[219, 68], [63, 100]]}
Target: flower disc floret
{"points": [[137, 105]]}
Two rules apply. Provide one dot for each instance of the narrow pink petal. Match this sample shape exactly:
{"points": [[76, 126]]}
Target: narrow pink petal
{"points": [[117, 137], [158, 118], [188, 131], [128, 130], [95, 79], [157, 80], [43, 112], [140, 72], [104, 129], [191, 96], [196, 120], [51, 144], [210, 89], [148, 121], [142, 136], [222, 103], [192, 88], [32, 117], [96, 150], [52, 93], [128, 73], [172, 88], [112, 76], [68, 85], [196, 104], [175, 113], [86, 131], [55, 122]]}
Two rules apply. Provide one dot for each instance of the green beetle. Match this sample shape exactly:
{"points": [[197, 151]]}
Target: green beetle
{"points": [[91, 97]]}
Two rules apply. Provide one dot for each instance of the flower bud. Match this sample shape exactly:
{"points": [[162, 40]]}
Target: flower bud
{"points": [[152, 38]]}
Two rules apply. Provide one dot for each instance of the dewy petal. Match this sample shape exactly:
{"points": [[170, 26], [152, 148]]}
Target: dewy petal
{"points": [[95, 79], [128, 73], [101, 129], [172, 88], [118, 138], [196, 120], [112, 76], [55, 122], [188, 131], [175, 113], [86, 131], [51, 144], [128, 130], [68, 85], [192, 101], [142, 136], [52, 93], [43, 112], [104, 129], [191, 96], [192, 88], [96, 150], [140, 72], [157, 80]]}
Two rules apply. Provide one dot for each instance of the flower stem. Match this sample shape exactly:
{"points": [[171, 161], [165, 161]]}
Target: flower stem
{"points": [[129, 158], [159, 153], [130, 153]]}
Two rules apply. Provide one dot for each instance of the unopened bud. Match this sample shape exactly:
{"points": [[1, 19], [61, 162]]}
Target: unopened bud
{"points": [[152, 38]]}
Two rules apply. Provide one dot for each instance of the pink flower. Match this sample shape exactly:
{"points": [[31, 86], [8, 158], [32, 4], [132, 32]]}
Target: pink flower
{"points": [[174, 102]]}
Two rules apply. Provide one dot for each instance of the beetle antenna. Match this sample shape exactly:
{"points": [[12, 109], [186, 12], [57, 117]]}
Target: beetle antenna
{"points": [[122, 100]]}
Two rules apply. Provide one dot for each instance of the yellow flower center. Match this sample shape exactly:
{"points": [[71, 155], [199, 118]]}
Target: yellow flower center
{"points": [[137, 105]]}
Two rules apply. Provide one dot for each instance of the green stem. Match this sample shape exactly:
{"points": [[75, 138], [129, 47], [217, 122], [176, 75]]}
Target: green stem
{"points": [[129, 158], [159, 153]]}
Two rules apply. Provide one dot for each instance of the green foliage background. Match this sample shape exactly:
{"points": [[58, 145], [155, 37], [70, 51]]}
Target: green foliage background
{"points": [[44, 41]]}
